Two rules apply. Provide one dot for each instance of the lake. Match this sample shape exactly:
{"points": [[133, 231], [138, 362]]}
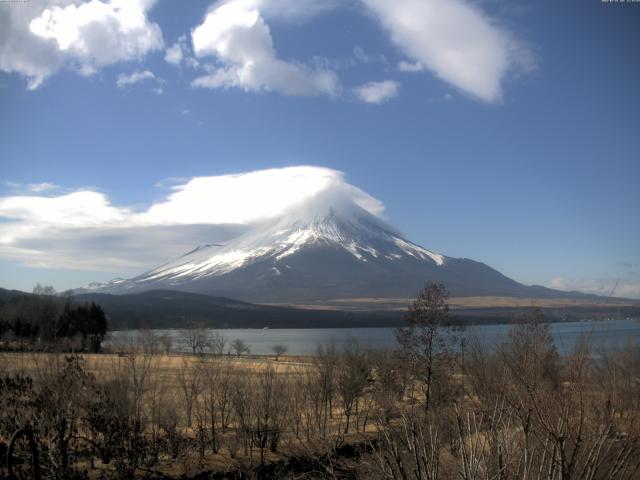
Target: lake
{"points": [[604, 334]]}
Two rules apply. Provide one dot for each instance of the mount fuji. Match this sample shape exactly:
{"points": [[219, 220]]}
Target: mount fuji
{"points": [[327, 248]]}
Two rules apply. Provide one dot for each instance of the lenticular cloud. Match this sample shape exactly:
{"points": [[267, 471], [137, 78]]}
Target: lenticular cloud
{"points": [[85, 230]]}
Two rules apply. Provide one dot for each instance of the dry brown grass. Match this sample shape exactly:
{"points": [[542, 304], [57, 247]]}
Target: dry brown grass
{"points": [[103, 365], [400, 304]]}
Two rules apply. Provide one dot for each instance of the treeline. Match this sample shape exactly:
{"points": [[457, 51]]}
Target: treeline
{"points": [[425, 411], [45, 321]]}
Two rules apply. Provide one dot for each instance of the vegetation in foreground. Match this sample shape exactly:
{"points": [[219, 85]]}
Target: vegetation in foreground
{"points": [[424, 411]]}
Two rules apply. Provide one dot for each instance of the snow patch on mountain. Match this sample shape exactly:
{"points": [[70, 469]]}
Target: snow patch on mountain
{"points": [[340, 224], [289, 245]]}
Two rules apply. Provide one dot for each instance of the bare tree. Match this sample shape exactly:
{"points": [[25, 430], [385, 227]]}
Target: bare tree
{"points": [[196, 336], [426, 336], [352, 378], [326, 361], [149, 340], [540, 418], [279, 349], [390, 382], [269, 411], [166, 340], [213, 403], [240, 347], [217, 343], [190, 386]]}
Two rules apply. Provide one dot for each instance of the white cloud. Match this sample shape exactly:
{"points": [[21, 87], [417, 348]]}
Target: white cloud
{"points": [[250, 197], [125, 250], [360, 54], [180, 53], [81, 208], [33, 187], [85, 230], [237, 36], [617, 287], [410, 67], [294, 10], [377, 92], [135, 77], [174, 53], [454, 39], [39, 38], [191, 62], [139, 77]]}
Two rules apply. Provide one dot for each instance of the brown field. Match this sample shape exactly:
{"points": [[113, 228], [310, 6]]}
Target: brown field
{"points": [[177, 383], [464, 302], [348, 414], [104, 364]]}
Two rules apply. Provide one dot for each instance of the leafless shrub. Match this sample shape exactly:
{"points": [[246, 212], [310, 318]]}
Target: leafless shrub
{"points": [[326, 362], [550, 418], [166, 342], [217, 343], [513, 411], [214, 401], [391, 378], [188, 377], [409, 448], [63, 387], [240, 347], [196, 337], [352, 377], [278, 350]]}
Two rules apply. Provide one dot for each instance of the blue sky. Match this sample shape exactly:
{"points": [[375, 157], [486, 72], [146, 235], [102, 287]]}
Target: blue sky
{"points": [[515, 142]]}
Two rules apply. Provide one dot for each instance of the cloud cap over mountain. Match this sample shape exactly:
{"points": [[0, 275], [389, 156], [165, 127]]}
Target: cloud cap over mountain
{"points": [[83, 229]]}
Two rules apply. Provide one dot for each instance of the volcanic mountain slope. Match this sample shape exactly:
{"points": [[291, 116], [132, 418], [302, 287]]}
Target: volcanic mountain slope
{"points": [[327, 248]]}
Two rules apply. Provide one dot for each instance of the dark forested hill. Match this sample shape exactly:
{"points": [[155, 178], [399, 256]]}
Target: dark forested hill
{"points": [[171, 309]]}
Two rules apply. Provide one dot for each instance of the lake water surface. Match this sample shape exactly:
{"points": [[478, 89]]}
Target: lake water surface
{"points": [[604, 334]]}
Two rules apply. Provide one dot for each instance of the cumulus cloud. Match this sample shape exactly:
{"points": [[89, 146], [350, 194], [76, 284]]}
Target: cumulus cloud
{"points": [[453, 39], [84, 230], [377, 92], [39, 38], [174, 53], [180, 53], [135, 77], [410, 67], [237, 36], [617, 287]]}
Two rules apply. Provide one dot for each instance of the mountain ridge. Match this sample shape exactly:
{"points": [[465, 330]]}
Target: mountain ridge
{"points": [[328, 247]]}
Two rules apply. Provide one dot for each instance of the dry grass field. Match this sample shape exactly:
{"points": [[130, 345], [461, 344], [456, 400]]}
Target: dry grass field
{"points": [[108, 364], [455, 303], [423, 411], [190, 388]]}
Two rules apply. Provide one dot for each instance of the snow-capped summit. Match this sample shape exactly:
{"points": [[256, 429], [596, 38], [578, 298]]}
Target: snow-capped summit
{"points": [[346, 227], [328, 247]]}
